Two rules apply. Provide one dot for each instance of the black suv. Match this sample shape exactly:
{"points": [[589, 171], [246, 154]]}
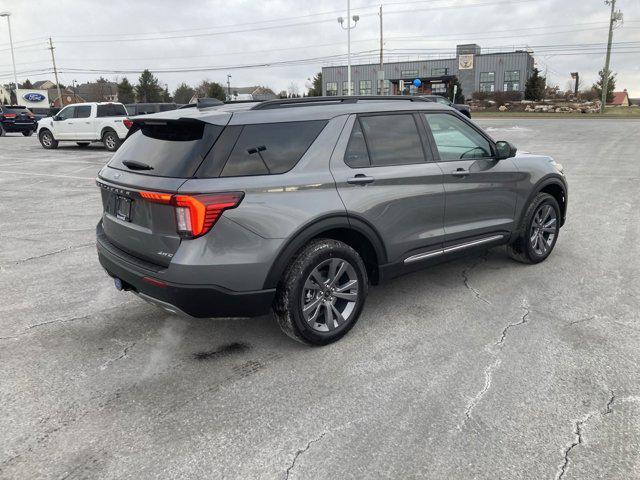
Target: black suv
{"points": [[16, 118]]}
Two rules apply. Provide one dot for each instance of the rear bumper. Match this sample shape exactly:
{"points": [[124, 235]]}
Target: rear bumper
{"points": [[19, 127], [201, 301]]}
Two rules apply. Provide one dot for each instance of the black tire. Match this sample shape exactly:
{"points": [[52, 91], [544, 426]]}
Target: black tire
{"points": [[27, 133], [46, 140], [83, 144], [524, 248], [292, 293], [2, 131], [111, 140]]}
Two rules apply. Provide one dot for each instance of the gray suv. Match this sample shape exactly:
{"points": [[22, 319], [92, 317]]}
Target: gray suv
{"points": [[297, 206]]}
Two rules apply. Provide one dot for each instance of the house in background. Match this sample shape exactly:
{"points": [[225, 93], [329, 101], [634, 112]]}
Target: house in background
{"points": [[68, 96], [43, 85], [99, 91], [620, 99], [251, 93]]}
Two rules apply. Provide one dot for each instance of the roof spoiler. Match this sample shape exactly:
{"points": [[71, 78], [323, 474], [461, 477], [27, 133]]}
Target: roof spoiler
{"points": [[208, 102]]}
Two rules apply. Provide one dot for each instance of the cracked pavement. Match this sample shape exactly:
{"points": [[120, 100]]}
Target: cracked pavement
{"points": [[478, 368]]}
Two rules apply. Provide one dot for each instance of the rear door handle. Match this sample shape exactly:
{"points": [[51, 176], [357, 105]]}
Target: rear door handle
{"points": [[360, 179], [460, 172]]}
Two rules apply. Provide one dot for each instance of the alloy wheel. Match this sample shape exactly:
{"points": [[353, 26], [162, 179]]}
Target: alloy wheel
{"points": [[330, 295], [46, 139], [109, 142], [544, 228]]}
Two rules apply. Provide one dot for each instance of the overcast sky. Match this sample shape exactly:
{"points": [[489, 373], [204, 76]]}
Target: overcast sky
{"points": [[121, 35]]}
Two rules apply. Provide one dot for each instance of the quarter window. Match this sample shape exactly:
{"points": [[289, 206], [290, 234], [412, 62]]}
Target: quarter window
{"points": [[271, 148], [357, 155], [487, 81], [391, 140], [332, 88], [365, 87], [455, 139]]}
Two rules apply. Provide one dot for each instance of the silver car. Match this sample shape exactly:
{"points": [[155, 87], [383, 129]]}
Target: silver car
{"points": [[297, 206]]}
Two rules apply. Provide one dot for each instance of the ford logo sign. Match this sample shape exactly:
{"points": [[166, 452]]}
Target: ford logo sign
{"points": [[33, 97]]}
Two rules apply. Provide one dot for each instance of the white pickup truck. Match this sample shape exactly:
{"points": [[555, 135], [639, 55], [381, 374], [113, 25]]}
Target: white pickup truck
{"points": [[84, 123]]}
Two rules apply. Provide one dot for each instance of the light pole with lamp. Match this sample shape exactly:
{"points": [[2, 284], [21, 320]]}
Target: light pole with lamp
{"points": [[348, 29], [13, 58]]}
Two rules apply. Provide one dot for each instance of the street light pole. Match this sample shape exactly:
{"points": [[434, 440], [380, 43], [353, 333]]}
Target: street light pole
{"points": [[348, 28], [229, 87], [13, 58]]}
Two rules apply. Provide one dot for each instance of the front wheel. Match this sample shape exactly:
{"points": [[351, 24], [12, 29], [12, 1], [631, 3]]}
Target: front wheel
{"points": [[47, 140], [322, 292], [27, 133], [111, 140], [538, 232]]}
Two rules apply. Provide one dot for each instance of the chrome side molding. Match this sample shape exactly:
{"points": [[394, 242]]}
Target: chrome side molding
{"points": [[455, 248]]}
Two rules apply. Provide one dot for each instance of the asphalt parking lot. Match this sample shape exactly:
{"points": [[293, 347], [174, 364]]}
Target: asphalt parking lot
{"points": [[480, 368]]}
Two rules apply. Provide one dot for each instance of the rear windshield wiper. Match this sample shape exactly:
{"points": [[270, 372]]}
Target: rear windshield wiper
{"points": [[133, 165]]}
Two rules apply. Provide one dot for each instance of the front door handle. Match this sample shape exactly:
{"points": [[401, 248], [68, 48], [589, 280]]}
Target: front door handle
{"points": [[460, 172], [360, 179]]}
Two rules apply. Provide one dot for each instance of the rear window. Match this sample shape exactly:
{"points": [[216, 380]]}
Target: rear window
{"points": [[112, 110], [17, 110], [271, 148], [170, 148]]}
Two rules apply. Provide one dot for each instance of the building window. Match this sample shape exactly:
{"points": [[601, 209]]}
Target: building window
{"points": [[438, 88], [512, 81], [365, 87], [386, 87], [487, 81], [409, 73], [345, 88], [332, 88], [438, 72]]}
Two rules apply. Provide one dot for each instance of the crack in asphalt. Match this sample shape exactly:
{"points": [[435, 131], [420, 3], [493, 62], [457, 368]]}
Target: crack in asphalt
{"points": [[300, 452], [48, 254], [522, 321], [581, 320], [465, 278], [124, 354], [49, 322], [578, 440], [488, 371]]}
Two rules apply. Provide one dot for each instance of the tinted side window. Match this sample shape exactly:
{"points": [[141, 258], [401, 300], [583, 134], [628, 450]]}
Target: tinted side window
{"points": [[67, 113], [83, 112], [455, 139], [392, 139], [111, 110], [271, 148], [357, 155]]}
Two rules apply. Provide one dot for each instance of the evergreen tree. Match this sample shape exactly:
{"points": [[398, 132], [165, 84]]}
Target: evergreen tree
{"points": [[27, 84], [316, 90], [459, 96], [535, 86], [148, 89], [611, 85], [166, 96], [126, 92], [183, 93], [215, 90]]}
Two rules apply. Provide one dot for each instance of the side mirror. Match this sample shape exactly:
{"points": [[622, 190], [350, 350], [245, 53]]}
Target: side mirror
{"points": [[505, 150], [56, 118]]}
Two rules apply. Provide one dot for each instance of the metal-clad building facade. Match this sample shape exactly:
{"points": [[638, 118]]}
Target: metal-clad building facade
{"points": [[475, 71]]}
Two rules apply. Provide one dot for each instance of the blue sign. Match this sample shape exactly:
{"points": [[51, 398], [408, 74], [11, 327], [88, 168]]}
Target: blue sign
{"points": [[417, 82], [34, 97]]}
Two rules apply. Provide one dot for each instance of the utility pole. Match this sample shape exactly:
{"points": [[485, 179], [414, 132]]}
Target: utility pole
{"points": [[381, 74], [13, 58], [348, 29], [55, 72], [229, 87], [615, 16]]}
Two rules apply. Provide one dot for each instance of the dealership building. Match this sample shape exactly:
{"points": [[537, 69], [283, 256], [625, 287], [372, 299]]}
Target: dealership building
{"points": [[475, 71]]}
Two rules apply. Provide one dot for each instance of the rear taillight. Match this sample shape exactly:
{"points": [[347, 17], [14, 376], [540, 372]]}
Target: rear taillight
{"points": [[196, 214], [127, 122], [10, 115]]}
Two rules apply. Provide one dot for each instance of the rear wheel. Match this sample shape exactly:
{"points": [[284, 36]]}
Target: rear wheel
{"points": [[538, 232], [111, 140], [47, 140], [2, 131], [322, 292], [83, 144], [27, 133]]}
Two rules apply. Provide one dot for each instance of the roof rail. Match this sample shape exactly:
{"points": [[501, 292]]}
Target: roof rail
{"points": [[334, 100]]}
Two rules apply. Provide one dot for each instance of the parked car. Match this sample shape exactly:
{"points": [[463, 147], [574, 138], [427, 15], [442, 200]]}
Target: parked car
{"points": [[297, 205], [464, 109], [145, 108], [16, 119], [84, 123], [40, 113]]}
